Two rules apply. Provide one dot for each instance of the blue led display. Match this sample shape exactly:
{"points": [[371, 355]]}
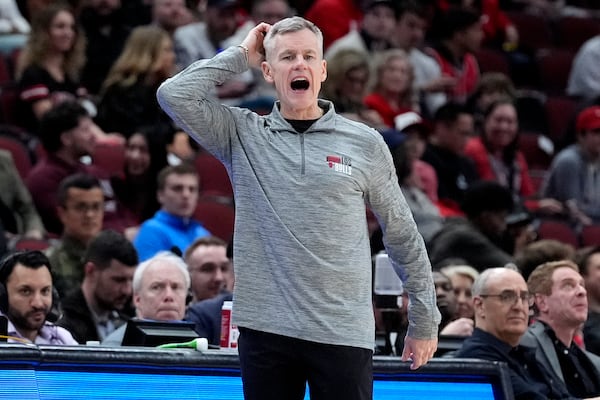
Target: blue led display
{"points": [[63, 384]]}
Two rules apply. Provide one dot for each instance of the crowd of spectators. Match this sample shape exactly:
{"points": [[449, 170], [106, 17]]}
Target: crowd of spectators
{"points": [[83, 77]]}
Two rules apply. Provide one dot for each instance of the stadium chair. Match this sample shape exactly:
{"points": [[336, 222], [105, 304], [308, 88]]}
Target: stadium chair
{"points": [[558, 230], [560, 116], [5, 73], [491, 60], [530, 110], [537, 149], [109, 157], [534, 30], [32, 244], [19, 153], [554, 67], [590, 235], [214, 180], [217, 217], [9, 105], [574, 31]]}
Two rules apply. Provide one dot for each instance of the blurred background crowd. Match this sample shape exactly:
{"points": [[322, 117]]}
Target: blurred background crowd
{"points": [[490, 108]]}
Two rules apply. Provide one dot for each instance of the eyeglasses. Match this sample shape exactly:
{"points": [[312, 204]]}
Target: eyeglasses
{"points": [[510, 297], [84, 208]]}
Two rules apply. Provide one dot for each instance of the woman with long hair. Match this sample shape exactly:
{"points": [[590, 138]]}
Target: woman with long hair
{"points": [[392, 90], [145, 156], [348, 74], [128, 95], [50, 64], [497, 156]]}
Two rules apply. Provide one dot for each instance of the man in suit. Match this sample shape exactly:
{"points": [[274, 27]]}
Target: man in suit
{"points": [[561, 307]]}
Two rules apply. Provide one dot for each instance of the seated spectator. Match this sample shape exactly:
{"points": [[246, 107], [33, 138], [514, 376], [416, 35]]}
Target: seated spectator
{"points": [[392, 91], [588, 260], [202, 40], [452, 324], [14, 29], [209, 267], [375, 32], [336, 17], [128, 95], [105, 25], [160, 288], [262, 94], [502, 300], [574, 176], [80, 209], [445, 299], [478, 237], [67, 134], [496, 25], [460, 37], [462, 278], [560, 309], [49, 65], [145, 157], [428, 82], [348, 73], [540, 252], [207, 313], [584, 78], [28, 300], [452, 125], [98, 307], [415, 131], [170, 15], [425, 212], [497, 157], [173, 225], [492, 87], [17, 210]]}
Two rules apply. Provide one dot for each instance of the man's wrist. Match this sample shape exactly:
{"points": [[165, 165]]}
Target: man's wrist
{"points": [[245, 49]]}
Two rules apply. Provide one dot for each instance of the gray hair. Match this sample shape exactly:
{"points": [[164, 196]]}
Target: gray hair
{"points": [[481, 282], [290, 25], [160, 257], [461, 270]]}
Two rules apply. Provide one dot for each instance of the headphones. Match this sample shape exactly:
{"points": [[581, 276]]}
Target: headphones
{"points": [[6, 267]]}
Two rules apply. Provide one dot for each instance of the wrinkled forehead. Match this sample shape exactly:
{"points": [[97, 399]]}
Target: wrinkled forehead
{"points": [[303, 40], [162, 272], [511, 280]]}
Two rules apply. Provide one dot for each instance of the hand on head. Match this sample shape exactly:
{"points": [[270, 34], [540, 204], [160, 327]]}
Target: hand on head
{"points": [[254, 43]]}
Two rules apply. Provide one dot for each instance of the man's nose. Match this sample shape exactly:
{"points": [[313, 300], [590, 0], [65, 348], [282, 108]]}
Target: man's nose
{"points": [[38, 300]]}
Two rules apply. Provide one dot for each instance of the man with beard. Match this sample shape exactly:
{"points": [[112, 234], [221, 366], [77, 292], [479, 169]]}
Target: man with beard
{"points": [[99, 306], [27, 298]]}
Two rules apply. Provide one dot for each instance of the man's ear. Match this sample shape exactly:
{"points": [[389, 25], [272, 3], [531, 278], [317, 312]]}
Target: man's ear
{"points": [[324, 71], [266, 70], [541, 302], [60, 212], [478, 307], [89, 268]]}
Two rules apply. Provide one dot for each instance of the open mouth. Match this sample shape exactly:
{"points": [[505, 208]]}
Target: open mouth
{"points": [[300, 84]]}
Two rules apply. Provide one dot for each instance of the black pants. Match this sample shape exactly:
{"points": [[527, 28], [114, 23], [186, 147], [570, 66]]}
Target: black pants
{"points": [[278, 367]]}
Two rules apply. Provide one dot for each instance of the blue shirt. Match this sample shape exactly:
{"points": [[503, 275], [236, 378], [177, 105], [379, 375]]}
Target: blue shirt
{"points": [[164, 231]]}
